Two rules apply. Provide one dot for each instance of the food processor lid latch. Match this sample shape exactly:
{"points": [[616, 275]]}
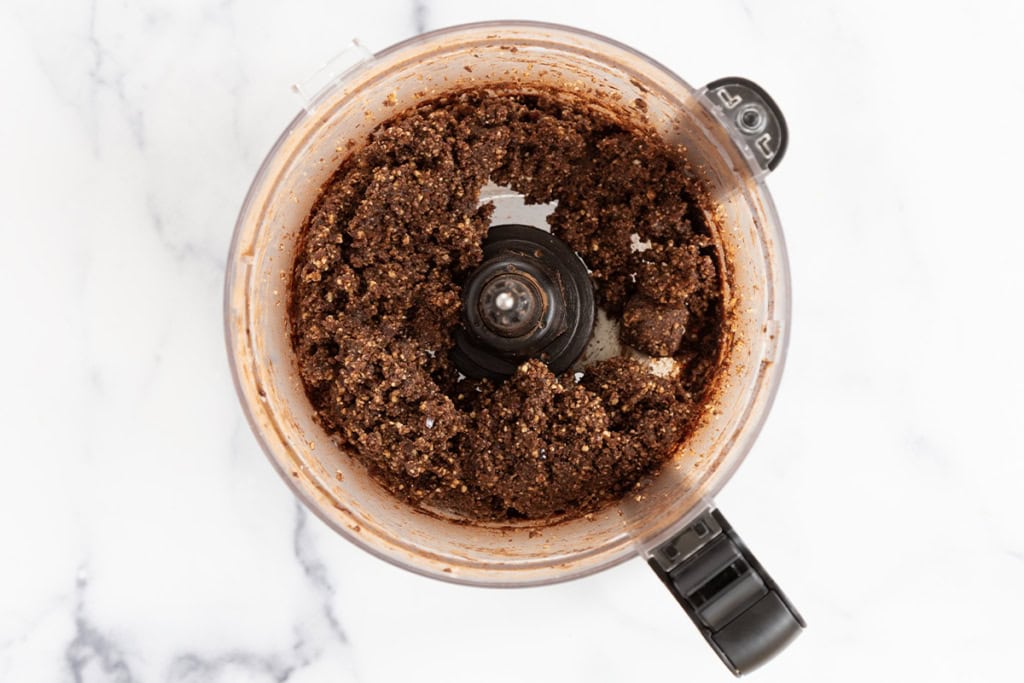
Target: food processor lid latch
{"points": [[752, 117]]}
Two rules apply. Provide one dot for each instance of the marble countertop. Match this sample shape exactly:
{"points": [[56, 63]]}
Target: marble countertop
{"points": [[145, 538]]}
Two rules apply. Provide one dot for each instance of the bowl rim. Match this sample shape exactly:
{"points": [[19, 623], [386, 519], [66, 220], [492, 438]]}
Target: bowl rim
{"points": [[750, 425]]}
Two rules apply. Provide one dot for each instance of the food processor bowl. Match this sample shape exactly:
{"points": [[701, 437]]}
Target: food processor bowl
{"points": [[734, 135]]}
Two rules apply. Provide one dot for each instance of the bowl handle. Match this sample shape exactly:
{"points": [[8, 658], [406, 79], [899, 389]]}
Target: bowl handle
{"points": [[742, 613]]}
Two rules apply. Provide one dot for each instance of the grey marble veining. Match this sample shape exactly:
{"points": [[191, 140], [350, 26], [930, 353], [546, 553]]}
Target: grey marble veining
{"points": [[90, 653]]}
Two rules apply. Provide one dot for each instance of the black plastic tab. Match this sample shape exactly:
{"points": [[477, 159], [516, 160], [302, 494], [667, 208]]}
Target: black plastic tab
{"points": [[753, 115], [740, 610]]}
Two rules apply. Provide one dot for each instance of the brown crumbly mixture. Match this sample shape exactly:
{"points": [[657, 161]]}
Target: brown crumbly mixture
{"points": [[376, 297]]}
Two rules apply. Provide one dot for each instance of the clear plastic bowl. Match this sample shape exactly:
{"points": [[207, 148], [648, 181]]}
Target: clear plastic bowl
{"points": [[330, 481]]}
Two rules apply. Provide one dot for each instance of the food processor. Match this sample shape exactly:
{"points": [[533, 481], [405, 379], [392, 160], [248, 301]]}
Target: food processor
{"points": [[735, 136]]}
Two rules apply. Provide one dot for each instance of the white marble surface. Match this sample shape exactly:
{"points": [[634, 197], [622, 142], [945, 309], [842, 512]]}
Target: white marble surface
{"points": [[143, 537]]}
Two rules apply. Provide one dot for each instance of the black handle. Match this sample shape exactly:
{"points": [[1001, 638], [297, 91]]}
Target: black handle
{"points": [[742, 613], [753, 115]]}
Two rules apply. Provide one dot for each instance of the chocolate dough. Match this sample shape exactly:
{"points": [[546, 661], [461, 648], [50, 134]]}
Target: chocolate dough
{"points": [[375, 297]]}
